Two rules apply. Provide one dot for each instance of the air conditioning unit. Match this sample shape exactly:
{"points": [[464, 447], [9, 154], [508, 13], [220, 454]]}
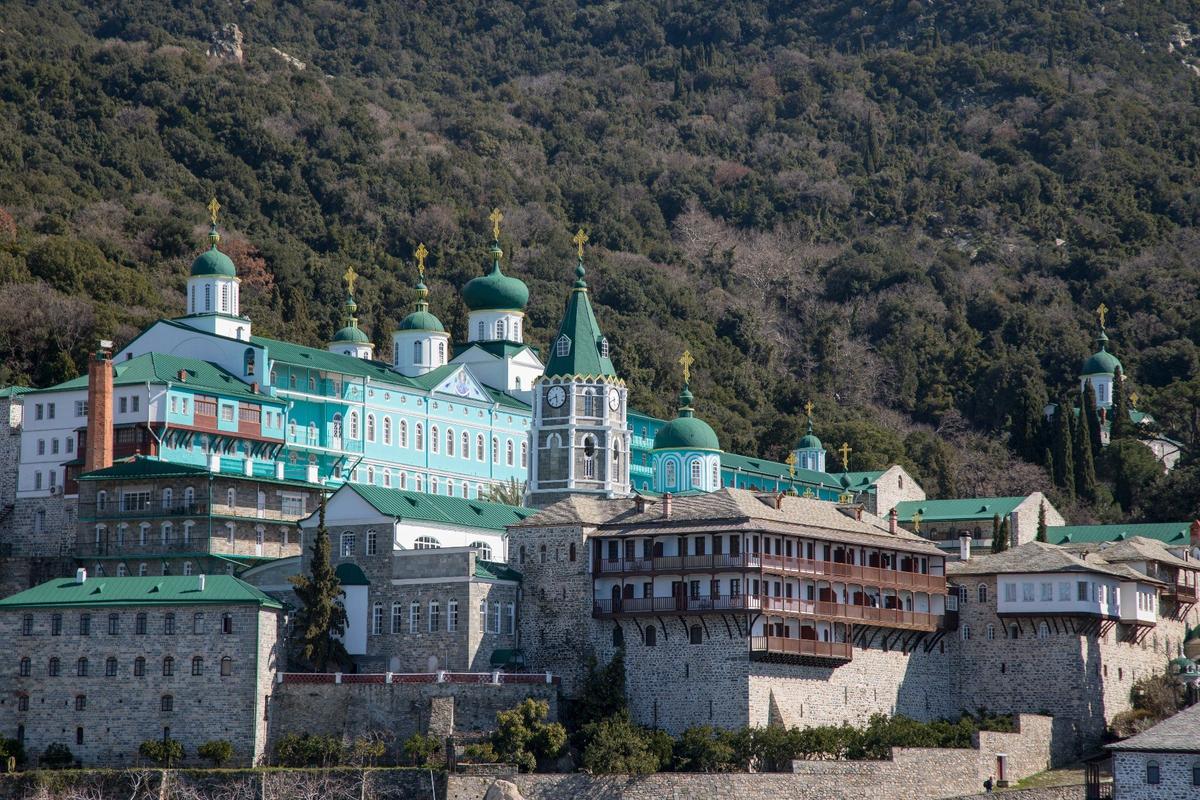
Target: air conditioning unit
{"points": [[55, 490]]}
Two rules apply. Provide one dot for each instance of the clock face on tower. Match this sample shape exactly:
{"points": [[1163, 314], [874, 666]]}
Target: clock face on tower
{"points": [[614, 399], [556, 396]]}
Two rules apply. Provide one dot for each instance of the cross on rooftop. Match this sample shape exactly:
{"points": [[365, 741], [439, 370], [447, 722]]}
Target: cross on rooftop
{"points": [[580, 239], [686, 361], [213, 208], [351, 276], [845, 450], [1101, 311], [496, 218], [420, 254], [791, 462]]}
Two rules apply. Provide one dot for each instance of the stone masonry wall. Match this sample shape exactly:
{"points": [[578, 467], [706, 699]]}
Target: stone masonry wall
{"points": [[104, 726], [399, 710], [1175, 776]]}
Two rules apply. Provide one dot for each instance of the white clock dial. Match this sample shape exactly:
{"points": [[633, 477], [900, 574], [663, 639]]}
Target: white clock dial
{"points": [[614, 399], [556, 396]]}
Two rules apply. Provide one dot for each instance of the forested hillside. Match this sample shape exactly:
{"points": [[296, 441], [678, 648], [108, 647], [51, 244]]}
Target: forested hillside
{"points": [[905, 211]]}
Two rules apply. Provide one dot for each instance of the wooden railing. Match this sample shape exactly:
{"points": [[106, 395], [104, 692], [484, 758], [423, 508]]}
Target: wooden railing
{"points": [[786, 565], [842, 612], [417, 677], [801, 647]]}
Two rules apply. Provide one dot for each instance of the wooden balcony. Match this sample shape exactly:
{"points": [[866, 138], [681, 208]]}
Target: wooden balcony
{"points": [[799, 650], [776, 565], [783, 606], [1181, 593]]}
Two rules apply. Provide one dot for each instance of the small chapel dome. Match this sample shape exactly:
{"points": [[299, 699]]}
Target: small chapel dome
{"points": [[1101, 362], [809, 442], [212, 262], [421, 319], [351, 333], [687, 431], [495, 291]]}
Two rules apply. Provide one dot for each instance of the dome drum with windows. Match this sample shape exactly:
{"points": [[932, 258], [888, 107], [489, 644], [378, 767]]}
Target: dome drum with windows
{"points": [[687, 453]]}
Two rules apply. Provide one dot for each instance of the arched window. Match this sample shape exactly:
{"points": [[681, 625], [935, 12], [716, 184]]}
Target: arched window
{"points": [[697, 634], [167, 497], [404, 433], [480, 453], [466, 445], [433, 484], [208, 297], [696, 474], [420, 434], [371, 475], [651, 636], [481, 331], [101, 500], [983, 593], [335, 428], [449, 441], [500, 329], [1153, 773], [716, 475], [347, 549], [589, 403], [464, 490], [420, 483], [225, 297], [416, 352], [25, 667], [516, 337], [603, 347], [414, 616], [353, 419], [387, 431], [55, 667], [403, 480], [524, 455], [562, 347], [991, 631], [121, 570], [167, 532], [508, 453], [495, 450], [370, 427], [670, 475], [434, 442], [168, 666], [1043, 630], [248, 361], [197, 665], [227, 623], [966, 632], [441, 353], [81, 667], [1014, 632], [450, 487], [426, 543], [226, 667], [387, 478], [167, 703], [484, 549], [139, 667]]}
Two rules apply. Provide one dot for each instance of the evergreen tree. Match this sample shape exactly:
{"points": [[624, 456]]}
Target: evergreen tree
{"points": [[1049, 463], [321, 620], [1119, 412], [1041, 530], [1064, 462], [1092, 412], [1135, 472], [1085, 466], [1026, 425], [1003, 540], [999, 534]]}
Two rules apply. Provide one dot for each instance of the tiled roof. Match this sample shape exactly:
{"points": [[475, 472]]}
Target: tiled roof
{"points": [[1177, 734], [1041, 557], [163, 368], [439, 508], [139, 591], [1170, 533], [975, 508], [495, 570], [1138, 548], [728, 506]]}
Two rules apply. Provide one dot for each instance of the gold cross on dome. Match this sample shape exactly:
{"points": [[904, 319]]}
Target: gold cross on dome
{"points": [[213, 208], [1101, 311], [916, 521], [845, 450], [808, 407], [420, 254], [791, 462], [1133, 398], [496, 217], [686, 361], [580, 239], [351, 276]]}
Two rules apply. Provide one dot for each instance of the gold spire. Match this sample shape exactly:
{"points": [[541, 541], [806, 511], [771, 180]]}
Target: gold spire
{"points": [[495, 217], [421, 253], [808, 407], [1101, 311], [213, 208], [686, 361], [791, 462], [580, 239], [351, 276], [845, 450]]}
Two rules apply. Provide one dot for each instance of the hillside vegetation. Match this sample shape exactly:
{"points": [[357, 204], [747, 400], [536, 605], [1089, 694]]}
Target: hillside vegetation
{"points": [[905, 211]]}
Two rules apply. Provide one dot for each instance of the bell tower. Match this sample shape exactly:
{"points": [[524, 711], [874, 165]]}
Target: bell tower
{"points": [[580, 435]]}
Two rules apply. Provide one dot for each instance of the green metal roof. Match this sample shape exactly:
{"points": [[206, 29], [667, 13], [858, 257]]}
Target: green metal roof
{"points": [[439, 508], [351, 333], [215, 263], [421, 321], [163, 368], [973, 508], [1170, 533], [687, 431], [349, 574], [142, 466], [1101, 362], [174, 590], [14, 391], [507, 657], [504, 350], [495, 291], [496, 571], [580, 327]]}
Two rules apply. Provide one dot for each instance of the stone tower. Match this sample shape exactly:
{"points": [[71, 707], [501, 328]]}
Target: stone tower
{"points": [[580, 438]]}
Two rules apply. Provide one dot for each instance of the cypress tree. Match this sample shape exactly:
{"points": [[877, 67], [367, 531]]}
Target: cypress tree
{"points": [[1064, 462], [1003, 536], [1085, 467], [1049, 463], [321, 620], [1119, 413], [999, 534], [1041, 531], [1092, 412]]}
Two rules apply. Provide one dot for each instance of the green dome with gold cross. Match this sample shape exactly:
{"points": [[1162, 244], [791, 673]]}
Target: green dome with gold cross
{"points": [[496, 291], [212, 262]]}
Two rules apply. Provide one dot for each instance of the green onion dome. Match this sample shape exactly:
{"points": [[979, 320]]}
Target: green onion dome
{"points": [[351, 333], [1101, 362], [421, 319], [809, 441], [212, 262], [496, 291], [687, 431]]}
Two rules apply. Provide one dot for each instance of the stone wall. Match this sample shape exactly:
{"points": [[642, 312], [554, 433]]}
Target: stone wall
{"points": [[1175, 775], [399, 710], [104, 718]]}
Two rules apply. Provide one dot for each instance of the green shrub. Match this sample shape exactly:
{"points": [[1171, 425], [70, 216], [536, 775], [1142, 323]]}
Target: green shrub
{"points": [[617, 745], [57, 756], [163, 752], [217, 751], [423, 751], [308, 750], [523, 737], [704, 749]]}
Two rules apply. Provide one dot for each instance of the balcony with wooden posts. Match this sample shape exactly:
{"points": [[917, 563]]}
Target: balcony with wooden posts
{"points": [[775, 565], [789, 650]]}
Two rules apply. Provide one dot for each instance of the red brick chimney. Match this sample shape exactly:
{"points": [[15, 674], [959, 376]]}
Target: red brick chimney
{"points": [[100, 410], [893, 522], [666, 505]]}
